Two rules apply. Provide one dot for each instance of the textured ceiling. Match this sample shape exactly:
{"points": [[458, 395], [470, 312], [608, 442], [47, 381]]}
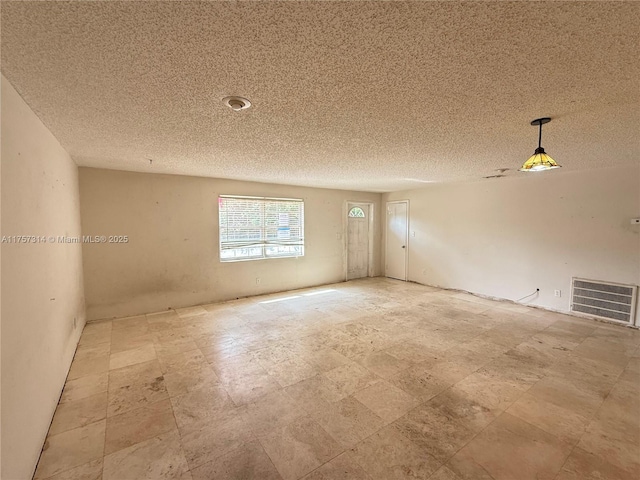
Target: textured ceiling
{"points": [[374, 96]]}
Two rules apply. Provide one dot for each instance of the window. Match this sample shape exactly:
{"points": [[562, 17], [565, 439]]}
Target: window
{"points": [[252, 228], [356, 212]]}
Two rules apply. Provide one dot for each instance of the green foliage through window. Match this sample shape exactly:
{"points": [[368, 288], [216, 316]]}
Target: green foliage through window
{"points": [[356, 212]]}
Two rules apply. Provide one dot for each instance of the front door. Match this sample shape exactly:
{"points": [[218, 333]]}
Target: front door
{"points": [[357, 241]]}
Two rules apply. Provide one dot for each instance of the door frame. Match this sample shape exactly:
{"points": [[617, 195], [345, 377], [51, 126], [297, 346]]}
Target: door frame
{"points": [[386, 240], [347, 207]]}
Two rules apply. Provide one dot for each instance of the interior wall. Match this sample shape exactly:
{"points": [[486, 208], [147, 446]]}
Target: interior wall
{"points": [[42, 285], [504, 238], [172, 257]]}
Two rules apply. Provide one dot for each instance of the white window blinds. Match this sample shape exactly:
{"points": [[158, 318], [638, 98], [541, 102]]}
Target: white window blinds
{"points": [[259, 227]]}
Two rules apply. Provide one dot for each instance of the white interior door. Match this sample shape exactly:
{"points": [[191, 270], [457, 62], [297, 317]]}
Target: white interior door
{"points": [[357, 241], [397, 236]]}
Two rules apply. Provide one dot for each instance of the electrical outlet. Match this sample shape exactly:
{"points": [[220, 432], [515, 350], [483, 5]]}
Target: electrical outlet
{"points": [[557, 293], [258, 280], [413, 234]]}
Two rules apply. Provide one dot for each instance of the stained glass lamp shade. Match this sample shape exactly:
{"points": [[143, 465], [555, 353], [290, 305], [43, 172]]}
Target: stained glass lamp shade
{"points": [[539, 160]]}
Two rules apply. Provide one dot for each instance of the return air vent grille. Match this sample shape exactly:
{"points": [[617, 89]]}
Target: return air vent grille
{"points": [[610, 301]]}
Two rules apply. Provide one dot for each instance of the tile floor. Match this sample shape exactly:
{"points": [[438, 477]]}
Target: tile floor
{"points": [[370, 379]]}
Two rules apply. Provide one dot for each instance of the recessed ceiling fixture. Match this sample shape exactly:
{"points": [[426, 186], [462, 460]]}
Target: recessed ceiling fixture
{"points": [[539, 160], [236, 103]]}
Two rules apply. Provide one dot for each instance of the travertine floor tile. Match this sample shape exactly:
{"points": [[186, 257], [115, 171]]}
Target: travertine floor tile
{"points": [[138, 425], [388, 455], [201, 406], [382, 364], [315, 393], [272, 411], [183, 381], [412, 353], [136, 321], [352, 348], [245, 463], [216, 438], [183, 360], [343, 467], [326, 359], [419, 382], [348, 421], [583, 465], [456, 405], [236, 366], [409, 376], [158, 458], [86, 352], [509, 449], [97, 338], [351, 378], [299, 448], [131, 357], [126, 393], [491, 392], [444, 473], [78, 413], [190, 311], [565, 424], [145, 372], [386, 401], [248, 388], [291, 371], [98, 326], [620, 448], [84, 387], [435, 433], [565, 395], [172, 347], [88, 471], [600, 350], [123, 342], [70, 449], [88, 366]]}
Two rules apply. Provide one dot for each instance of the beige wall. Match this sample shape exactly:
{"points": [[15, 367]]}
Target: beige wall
{"points": [[42, 289], [505, 238], [172, 257]]}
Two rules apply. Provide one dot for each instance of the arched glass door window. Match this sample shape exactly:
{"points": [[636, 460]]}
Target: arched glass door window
{"points": [[356, 212]]}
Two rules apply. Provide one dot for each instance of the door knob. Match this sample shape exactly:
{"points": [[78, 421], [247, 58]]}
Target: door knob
{"points": [[403, 246]]}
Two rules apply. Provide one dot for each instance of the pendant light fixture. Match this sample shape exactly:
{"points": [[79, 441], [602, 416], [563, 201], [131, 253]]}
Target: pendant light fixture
{"points": [[539, 160]]}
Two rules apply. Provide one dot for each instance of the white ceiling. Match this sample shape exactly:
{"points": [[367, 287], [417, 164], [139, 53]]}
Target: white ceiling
{"points": [[375, 96]]}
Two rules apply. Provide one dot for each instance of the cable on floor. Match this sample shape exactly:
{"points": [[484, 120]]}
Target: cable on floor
{"points": [[527, 296]]}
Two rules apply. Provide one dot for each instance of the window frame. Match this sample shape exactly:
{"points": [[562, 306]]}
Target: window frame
{"points": [[265, 241]]}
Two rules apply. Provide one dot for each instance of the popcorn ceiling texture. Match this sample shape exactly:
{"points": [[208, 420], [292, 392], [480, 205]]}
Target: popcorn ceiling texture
{"points": [[375, 96]]}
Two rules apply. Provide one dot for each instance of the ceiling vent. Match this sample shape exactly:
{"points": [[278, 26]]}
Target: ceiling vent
{"points": [[609, 301]]}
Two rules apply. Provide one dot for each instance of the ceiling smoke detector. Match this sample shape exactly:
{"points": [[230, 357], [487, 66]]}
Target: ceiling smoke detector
{"points": [[236, 103]]}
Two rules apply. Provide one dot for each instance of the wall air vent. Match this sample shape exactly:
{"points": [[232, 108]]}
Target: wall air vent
{"points": [[609, 301]]}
